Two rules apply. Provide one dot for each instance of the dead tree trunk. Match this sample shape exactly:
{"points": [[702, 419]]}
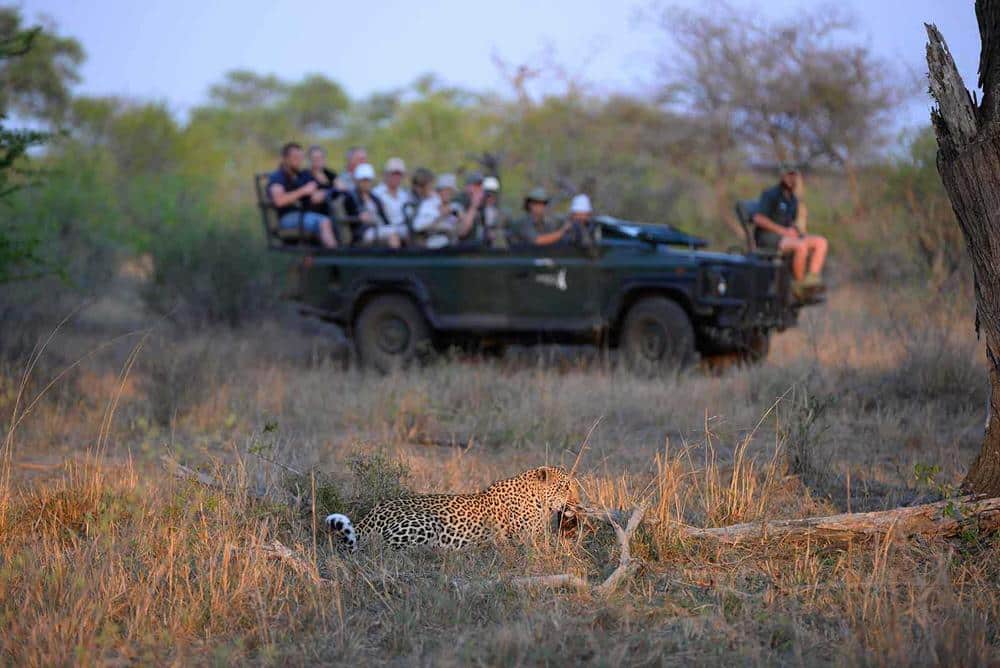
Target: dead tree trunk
{"points": [[968, 160]]}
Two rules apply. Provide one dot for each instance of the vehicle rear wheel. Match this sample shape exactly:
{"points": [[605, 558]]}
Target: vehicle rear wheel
{"points": [[391, 333], [657, 336]]}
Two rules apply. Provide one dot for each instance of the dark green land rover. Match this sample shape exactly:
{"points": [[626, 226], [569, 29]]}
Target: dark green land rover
{"points": [[648, 290]]}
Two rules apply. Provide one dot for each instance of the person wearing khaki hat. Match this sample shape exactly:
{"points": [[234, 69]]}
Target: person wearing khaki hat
{"points": [[392, 193], [537, 228]]}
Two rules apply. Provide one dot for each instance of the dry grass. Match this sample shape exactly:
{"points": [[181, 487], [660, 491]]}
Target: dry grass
{"points": [[104, 558]]}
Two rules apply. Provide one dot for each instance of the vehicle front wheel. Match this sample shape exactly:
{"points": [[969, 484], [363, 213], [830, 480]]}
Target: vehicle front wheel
{"points": [[391, 333], [657, 336]]}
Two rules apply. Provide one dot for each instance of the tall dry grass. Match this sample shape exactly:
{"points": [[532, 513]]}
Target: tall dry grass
{"points": [[104, 558]]}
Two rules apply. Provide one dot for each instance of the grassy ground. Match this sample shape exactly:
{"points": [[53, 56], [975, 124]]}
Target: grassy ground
{"points": [[875, 400]]}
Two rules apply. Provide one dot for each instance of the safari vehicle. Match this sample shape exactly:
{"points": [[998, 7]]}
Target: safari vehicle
{"points": [[650, 291]]}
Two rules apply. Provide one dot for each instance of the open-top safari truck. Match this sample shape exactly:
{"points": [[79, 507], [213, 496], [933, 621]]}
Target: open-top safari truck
{"points": [[650, 291]]}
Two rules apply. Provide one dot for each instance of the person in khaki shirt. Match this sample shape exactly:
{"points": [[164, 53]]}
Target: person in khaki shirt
{"points": [[537, 228]]}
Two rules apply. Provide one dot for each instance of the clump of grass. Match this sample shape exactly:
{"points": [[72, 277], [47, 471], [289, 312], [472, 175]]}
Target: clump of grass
{"points": [[315, 490], [800, 429], [177, 375], [115, 570], [377, 477], [935, 368]]}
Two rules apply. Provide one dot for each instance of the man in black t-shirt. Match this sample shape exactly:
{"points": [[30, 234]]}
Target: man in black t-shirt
{"points": [[292, 190], [776, 228]]}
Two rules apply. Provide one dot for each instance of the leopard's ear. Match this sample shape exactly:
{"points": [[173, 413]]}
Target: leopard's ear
{"points": [[542, 473]]}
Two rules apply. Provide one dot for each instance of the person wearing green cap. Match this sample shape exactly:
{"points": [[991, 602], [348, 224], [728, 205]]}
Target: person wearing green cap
{"points": [[536, 228], [776, 228]]}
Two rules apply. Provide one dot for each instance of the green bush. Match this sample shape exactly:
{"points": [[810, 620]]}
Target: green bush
{"points": [[210, 273]]}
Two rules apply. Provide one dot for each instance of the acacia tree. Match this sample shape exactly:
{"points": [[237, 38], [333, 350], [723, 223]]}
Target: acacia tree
{"points": [[796, 89], [968, 159]]}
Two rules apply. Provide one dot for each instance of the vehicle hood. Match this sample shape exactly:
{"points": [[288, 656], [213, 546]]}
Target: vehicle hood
{"points": [[648, 232]]}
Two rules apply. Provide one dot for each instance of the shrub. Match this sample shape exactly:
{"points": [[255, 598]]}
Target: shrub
{"points": [[210, 273], [377, 478], [177, 376]]}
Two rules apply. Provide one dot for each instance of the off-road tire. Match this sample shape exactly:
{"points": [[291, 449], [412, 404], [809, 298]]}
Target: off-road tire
{"points": [[391, 333], [657, 336]]}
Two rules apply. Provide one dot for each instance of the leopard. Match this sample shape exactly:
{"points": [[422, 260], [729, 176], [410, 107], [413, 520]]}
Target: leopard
{"points": [[521, 506]]}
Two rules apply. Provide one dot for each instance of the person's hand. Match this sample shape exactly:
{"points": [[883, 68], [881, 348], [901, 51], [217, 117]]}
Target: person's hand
{"points": [[365, 216], [310, 188], [318, 196], [477, 198], [791, 233]]}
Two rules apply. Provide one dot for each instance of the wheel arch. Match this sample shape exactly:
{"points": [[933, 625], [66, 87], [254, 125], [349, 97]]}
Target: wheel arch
{"points": [[403, 287], [631, 296]]}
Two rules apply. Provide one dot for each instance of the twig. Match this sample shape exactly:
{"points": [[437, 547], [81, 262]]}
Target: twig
{"points": [[627, 564], [180, 471], [279, 551]]}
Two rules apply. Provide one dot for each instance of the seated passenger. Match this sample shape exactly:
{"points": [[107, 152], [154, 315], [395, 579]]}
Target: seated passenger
{"points": [[776, 228], [291, 191], [581, 215], [536, 228], [372, 225], [495, 219], [356, 155], [325, 179], [470, 226], [391, 193], [427, 208], [437, 218]]}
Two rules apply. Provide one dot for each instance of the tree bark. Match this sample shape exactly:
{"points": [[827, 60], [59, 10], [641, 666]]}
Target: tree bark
{"points": [[968, 161]]}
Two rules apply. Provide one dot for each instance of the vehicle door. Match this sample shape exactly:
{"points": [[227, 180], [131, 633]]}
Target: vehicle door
{"points": [[554, 288], [467, 288]]}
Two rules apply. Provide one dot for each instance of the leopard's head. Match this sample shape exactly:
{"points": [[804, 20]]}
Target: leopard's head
{"points": [[556, 486]]}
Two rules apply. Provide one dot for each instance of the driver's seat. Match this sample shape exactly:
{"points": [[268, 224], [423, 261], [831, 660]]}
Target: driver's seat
{"points": [[745, 210]]}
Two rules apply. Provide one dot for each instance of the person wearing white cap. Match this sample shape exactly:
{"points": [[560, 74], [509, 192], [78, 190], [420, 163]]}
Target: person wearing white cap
{"points": [[495, 219], [391, 191], [371, 225], [581, 213]]}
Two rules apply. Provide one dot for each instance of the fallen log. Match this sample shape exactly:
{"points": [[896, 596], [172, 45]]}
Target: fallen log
{"points": [[943, 519]]}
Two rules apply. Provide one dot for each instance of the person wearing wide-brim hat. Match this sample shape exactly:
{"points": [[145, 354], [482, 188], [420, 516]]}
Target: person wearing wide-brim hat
{"points": [[536, 228]]}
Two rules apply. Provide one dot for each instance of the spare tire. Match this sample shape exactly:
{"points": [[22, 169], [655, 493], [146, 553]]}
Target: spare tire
{"points": [[657, 336], [391, 333]]}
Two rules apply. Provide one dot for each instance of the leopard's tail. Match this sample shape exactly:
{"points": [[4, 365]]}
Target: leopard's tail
{"points": [[342, 526]]}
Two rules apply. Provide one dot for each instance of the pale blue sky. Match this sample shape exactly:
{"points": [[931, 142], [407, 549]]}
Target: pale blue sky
{"points": [[174, 50]]}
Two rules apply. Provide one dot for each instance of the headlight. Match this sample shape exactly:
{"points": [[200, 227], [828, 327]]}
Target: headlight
{"points": [[716, 282]]}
